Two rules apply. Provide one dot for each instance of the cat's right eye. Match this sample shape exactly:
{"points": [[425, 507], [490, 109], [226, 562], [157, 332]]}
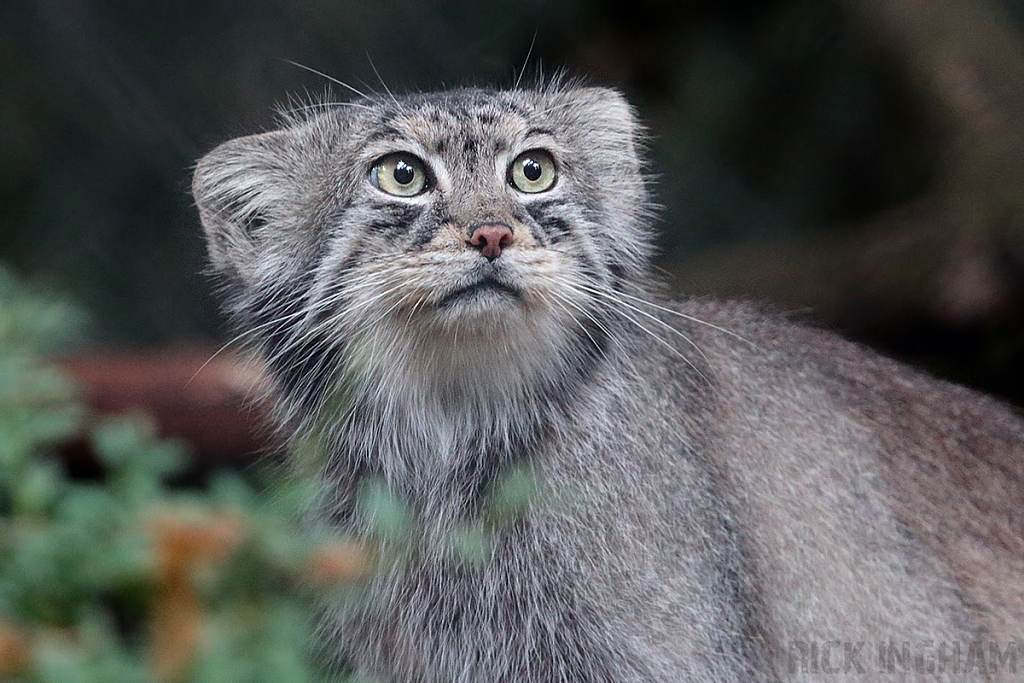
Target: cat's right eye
{"points": [[400, 174]]}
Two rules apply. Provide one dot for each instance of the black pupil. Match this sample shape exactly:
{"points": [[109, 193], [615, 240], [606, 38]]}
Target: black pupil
{"points": [[404, 173], [531, 169]]}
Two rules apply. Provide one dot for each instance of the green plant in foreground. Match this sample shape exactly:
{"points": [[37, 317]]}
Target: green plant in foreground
{"points": [[123, 580]]}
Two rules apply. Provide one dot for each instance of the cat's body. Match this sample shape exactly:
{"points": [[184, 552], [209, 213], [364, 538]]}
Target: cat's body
{"points": [[448, 287]]}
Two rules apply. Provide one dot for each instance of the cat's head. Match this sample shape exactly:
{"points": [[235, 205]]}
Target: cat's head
{"points": [[468, 232]]}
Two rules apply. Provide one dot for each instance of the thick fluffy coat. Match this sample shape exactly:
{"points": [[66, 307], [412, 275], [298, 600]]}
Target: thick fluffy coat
{"points": [[731, 497]]}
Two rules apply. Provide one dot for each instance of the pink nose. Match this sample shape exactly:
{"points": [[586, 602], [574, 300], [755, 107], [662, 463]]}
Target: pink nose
{"points": [[490, 239]]}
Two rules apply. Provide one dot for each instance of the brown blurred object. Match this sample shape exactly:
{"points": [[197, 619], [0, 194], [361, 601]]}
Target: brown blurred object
{"points": [[193, 393], [14, 651], [339, 562], [183, 546]]}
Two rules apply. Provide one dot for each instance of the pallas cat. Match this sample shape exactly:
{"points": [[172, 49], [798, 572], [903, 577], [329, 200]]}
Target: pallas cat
{"points": [[448, 287]]}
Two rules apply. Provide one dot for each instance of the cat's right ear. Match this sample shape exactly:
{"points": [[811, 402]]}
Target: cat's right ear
{"points": [[239, 188]]}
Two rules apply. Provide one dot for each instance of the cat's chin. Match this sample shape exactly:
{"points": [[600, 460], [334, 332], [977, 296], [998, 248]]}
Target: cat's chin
{"points": [[483, 293], [486, 301], [480, 306], [493, 315]]}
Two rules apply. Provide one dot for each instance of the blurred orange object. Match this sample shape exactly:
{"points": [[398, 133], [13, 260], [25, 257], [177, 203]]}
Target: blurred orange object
{"points": [[183, 547]]}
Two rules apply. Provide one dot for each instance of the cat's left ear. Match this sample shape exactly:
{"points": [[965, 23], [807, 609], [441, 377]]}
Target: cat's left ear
{"points": [[603, 108], [601, 118]]}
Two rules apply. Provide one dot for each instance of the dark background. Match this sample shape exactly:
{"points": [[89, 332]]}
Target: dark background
{"points": [[857, 161]]}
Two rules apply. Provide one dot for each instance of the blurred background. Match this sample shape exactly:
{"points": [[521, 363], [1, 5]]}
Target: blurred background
{"points": [[858, 162]]}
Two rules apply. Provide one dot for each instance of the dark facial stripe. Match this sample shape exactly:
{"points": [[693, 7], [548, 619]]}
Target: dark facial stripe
{"points": [[556, 228], [618, 272], [393, 220], [385, 133], [540, 131], [430, 224]]}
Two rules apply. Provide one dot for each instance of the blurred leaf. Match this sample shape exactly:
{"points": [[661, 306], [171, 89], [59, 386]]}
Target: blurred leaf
{"points": [[117, 440], [512, 492], [387, 515], [84, 563], [471, 543], [36, 489]]}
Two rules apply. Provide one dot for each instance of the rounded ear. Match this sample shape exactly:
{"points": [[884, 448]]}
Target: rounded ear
{"points": [[239, 187], [602, 111], [605, 138]]}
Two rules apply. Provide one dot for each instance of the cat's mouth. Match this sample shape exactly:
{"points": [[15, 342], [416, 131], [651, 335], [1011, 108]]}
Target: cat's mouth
{"points": [[481, 289]]}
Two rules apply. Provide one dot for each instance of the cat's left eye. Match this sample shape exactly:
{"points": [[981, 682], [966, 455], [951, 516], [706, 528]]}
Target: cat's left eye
{"points": [[400, 174], [533, 171]]}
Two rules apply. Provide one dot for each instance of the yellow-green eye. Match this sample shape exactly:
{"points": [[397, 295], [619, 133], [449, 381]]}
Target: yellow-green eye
{"points": [[532, 171], [400, 174]]}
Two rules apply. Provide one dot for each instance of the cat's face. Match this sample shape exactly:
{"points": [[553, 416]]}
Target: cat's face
{"points": [[461, 233]]}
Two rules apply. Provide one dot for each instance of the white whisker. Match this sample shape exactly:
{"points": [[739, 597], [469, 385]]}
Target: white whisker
{"points": [[332, 79]]}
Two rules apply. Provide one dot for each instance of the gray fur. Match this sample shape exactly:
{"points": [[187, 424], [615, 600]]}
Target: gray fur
{"points": [[733, 484]]}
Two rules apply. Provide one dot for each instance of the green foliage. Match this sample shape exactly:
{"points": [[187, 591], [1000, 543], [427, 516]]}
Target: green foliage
{"points": [[512, 493], [397, 528], [85, 566], [122, 579], [389, 517]]}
